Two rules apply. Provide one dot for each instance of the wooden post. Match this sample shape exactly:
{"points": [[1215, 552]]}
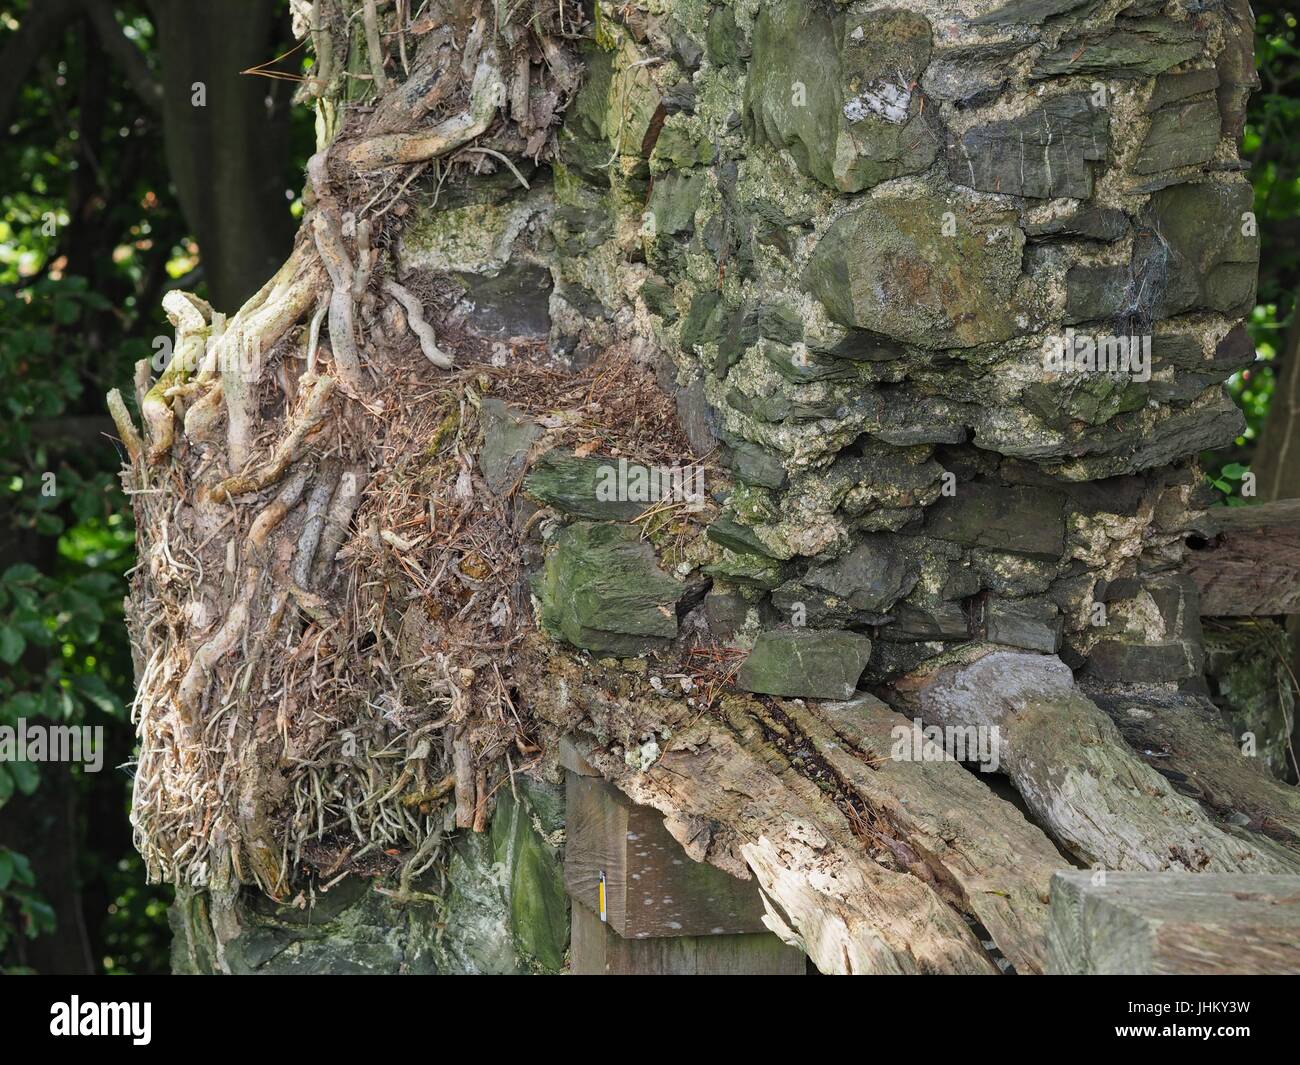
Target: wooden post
{"points": [[1174, 923], [600, 951], [641, 905]]}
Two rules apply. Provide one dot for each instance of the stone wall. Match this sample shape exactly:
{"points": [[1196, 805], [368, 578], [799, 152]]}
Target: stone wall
{"points": [[846, 234]]}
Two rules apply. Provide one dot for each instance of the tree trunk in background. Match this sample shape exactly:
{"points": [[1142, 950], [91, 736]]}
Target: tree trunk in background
{"points": [[1277, 456], [229, 158], [1276, 464], [827, 252]]}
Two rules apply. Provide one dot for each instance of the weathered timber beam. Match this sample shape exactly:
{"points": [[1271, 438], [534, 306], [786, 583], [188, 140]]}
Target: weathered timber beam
{"points": [[1282, 513], [1174, 923], [600, 951], [731, 798], [1246, 560], [1072, 767], [975, 847], [1183, 737], [619, 853]]}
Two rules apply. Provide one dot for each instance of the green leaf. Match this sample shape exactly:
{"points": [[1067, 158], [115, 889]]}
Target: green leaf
{"points": [[26, 775], [96, 692], [6, 868], [12, 645], [22, 869], [49, 524], [66, 311]]}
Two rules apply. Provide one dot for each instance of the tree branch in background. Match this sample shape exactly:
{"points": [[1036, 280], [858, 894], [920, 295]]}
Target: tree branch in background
{"points": [[125, 53], [39, 29]]}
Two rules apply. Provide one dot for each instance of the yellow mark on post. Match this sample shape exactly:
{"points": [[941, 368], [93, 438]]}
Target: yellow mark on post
{"points": [[600, 898]]}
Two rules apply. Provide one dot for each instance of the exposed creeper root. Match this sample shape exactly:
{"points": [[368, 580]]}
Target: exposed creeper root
{"points": [[304, 497]]}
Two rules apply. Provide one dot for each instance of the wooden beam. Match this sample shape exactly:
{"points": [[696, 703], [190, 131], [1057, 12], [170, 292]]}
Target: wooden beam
{"points": [[1074, 770], [1246, 560], [1174, 924], [1183, 737], [946, 822], [731, 799], [1282, 513], [600, 951]]}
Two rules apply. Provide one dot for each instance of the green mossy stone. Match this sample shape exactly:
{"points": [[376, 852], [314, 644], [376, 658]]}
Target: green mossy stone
{"points": [[601, 589], [736, 537], [673, 202], [680, 147], [722, 38], [839, 92], [539, 906], [658, 297], [1093, 398], [805, 663], [583, 487], [704, 321], [1137, 48], [747, 568]]}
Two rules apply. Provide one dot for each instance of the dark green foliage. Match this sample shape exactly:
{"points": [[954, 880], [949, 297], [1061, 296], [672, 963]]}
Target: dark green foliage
{"points": [[90, 237]]}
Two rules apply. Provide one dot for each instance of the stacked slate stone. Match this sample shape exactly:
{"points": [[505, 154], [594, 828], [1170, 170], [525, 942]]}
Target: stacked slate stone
{"points": [[849, 233]]}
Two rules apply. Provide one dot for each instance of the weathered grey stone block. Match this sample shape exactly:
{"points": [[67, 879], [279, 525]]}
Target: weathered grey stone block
{"points": [[1034, 624], [1134, 47], [942, 273], [1181, 134], [507, 437], [841, 93], [1021, 519], [1044, 153]]}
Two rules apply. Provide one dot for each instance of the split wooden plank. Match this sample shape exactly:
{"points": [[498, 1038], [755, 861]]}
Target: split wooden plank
{"points": [[597, 950], [1246, 560], [1072, 767], [1174, 923], [952, 829]]}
